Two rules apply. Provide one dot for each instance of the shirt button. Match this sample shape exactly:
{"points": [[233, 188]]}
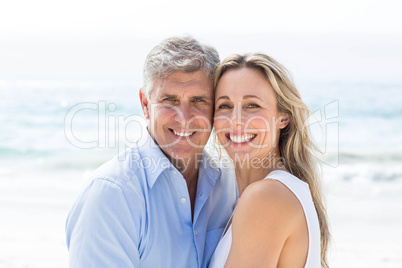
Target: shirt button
{"points": [[195, 232], [174, 172], [183, 200]]}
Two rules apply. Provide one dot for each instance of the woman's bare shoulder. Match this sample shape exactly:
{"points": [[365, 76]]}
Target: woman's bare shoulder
{"points": [[268, 200], [266, 215]]}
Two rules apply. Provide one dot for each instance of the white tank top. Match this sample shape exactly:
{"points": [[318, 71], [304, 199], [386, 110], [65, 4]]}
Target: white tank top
{"points": [[301, 190]]}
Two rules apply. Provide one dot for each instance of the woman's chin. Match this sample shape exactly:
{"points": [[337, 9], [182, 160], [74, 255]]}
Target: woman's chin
{"points": [[242, 158]]}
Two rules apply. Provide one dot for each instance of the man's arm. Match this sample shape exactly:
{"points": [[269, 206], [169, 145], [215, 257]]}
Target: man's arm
{"points": [[101, 230]]}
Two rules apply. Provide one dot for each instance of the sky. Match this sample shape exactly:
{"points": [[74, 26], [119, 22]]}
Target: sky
{"points": [[315, 39]]}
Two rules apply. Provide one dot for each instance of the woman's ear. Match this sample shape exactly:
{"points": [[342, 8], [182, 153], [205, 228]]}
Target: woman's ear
{"points": [[284, 120], [144, 104]]}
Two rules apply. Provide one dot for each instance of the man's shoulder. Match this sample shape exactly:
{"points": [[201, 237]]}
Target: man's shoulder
{"points": [[114, 196], [112, 185], [138, 166], [121, 169]]}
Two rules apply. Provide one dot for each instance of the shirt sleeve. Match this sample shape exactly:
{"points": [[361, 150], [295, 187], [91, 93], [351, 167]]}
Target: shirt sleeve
{"points": [[102, 230]]}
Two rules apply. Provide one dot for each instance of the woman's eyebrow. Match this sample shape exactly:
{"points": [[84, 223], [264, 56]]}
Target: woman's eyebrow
{"points": [[250, 96], [244, 97], [223, 97]]}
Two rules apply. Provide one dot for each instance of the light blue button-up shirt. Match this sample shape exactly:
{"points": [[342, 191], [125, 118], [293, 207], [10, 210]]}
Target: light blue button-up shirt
{"points": [[137, 213]]}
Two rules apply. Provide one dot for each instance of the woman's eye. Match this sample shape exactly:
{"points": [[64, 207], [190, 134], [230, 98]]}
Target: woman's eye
{"points": [[224, 106], [253, 105]]}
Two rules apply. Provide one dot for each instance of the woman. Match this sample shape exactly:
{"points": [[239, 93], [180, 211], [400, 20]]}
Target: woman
{"points": [[280, 219]]}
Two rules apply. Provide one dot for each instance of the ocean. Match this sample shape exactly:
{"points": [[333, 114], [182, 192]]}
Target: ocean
{"points": [[54, 132], [53, 124]]}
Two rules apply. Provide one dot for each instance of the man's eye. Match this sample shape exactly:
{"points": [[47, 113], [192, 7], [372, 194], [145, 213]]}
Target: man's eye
{"points": [[170, 99], [199, 100]]}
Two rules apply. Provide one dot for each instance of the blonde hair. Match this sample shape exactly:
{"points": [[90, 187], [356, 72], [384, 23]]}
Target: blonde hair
{"points": [[296, 147]]}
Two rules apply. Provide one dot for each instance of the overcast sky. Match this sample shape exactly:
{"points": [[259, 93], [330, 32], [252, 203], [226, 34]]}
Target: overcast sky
{"points": [[313, 38]]}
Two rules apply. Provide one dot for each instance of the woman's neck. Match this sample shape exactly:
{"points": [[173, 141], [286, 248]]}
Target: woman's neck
{"points": [[249, 172]]}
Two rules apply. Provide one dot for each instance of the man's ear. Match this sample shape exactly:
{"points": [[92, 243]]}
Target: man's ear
{"points": [[284, 120], [144, 104]]}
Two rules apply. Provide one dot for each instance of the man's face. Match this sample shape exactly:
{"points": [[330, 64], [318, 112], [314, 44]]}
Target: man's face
{"points": [[179, 112]]}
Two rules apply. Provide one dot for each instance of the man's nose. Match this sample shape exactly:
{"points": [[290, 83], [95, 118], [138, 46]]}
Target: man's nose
{"points": [[183, 113]]}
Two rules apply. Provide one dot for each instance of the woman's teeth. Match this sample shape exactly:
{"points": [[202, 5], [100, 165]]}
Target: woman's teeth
{"points": [[241, 139]]}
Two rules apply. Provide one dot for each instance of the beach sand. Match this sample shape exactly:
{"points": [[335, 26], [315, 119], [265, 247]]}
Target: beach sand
{"points": [[366, 230], [34, 208]]}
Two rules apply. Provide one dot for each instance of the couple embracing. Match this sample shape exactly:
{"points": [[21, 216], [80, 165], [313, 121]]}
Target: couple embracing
{"points": [[264, 210]]}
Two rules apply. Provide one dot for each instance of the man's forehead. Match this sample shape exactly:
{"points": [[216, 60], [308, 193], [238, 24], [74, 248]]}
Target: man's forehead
{"points": [[180, 78], [183, 81]]}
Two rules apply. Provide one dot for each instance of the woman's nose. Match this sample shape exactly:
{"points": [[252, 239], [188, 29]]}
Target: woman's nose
{"points": [[237, 116]]}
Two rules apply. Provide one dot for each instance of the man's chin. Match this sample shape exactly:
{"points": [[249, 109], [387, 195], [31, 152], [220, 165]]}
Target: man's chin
{"points": [[183, 155]]}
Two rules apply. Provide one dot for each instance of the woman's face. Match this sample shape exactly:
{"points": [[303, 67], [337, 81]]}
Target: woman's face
{"points": [[247, 120]]}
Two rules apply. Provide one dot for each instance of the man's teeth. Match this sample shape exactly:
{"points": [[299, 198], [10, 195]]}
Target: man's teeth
{"points": [[241, 139], [183, 134]]}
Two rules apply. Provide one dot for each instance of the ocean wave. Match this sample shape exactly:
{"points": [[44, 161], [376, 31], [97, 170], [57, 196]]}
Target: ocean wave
{"points": [[18, 152], [365, 172], [363, 180], [345, 157]]}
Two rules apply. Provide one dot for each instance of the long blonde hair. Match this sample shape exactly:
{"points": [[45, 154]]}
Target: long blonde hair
{"points": [[296, 147]]}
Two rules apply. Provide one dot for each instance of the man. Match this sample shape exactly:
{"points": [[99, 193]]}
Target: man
{"points": [[166, 204]]}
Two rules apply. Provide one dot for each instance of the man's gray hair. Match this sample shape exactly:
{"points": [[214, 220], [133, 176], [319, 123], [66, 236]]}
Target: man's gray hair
{"points": [[178, 54]]}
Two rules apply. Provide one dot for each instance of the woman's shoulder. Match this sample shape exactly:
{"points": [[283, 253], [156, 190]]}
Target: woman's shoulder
{"points": [[267, 215], [269, 201]]}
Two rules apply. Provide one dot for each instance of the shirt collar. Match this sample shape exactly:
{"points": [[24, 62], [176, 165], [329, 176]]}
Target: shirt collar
{"points": [[153, 160], [210, 168]]}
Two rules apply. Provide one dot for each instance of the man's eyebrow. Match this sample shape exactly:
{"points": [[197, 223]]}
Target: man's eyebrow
{"points": [[223, 97], [168, 96], [202, 97]]}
